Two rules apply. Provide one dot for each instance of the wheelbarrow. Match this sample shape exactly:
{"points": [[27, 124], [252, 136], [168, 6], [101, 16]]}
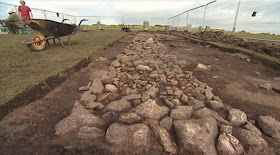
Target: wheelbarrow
{"points": [[44, 30]]}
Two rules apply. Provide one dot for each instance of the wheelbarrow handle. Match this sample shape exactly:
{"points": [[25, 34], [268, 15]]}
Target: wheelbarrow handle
{"points": [[81, 22], [78, 27]]}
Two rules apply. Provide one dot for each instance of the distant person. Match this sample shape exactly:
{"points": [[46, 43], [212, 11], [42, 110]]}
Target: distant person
{"points": [[24, 11], [14, 21]]}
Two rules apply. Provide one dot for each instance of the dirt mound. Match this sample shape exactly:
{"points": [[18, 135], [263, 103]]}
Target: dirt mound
{"points": [[219, 36]]}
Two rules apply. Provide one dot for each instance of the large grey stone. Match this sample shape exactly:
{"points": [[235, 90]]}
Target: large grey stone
{"points": [[184, 98], [215, 105], [116, 64], [151, 110], [269, 126], [229, 145], [144, 68], [181, 112], [118, 106], [91, 120], [165, 140], [87, 97], [209, 95], [132, 97], [237, 117], [252, 128], [96, 86], [87, 132], [150, 94], [129, 117], [66, 125], [206, 112], [196, 104], [136, 135], [250, 140], [94, 105], [166, 122], [197, 136], [168, 103], [111, 88]]}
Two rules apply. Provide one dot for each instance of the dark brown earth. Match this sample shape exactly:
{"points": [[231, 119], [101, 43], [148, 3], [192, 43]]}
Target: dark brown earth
{"points": [[269, 48], [30, 129]]}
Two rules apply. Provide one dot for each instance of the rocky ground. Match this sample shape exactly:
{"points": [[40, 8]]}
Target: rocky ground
{"points": [[153, 96], [271, 49], [148, 100]]}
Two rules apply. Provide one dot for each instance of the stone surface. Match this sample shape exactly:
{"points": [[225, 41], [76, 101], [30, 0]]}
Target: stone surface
{"points": [[129, 118], [150, 94], [215, 105], [166, 122], [136, 135], [251, 127], [206, 112], [181, 112], [94, 105], [88, 97], [86, 87], [96, 86], [118, 106], [266, 86], [237, 117], [87, 132], [269, 126], [165, 140], [197, 136], [202, 66], [250, 140], [111, 88], [66, 125], [144, 68], [102, 59], [116, 64], [151, 110], [196, 104], [226, 129], [184, 98], [91, 120], [168, 103], [110, 117], [229, 145], [102, 97], [209, 95], [132, 97]]}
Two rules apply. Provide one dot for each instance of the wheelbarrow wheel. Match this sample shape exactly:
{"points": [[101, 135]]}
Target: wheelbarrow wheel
{"points": [[36, 36]]}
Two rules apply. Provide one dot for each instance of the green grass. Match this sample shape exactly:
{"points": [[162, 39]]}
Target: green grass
{"points": [[22, 69], [118, 28]]}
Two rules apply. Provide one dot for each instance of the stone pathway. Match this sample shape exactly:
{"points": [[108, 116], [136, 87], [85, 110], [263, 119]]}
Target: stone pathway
{"points": [[147, 100]]}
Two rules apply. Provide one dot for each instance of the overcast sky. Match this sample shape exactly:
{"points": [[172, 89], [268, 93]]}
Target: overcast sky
{"points": [[219, 14]]}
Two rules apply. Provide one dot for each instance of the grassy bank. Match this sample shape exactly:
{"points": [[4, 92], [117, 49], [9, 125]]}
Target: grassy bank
{"points": [[21, 69]]}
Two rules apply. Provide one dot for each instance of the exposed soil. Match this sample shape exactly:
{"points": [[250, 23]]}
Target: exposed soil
{"points": [[271, 49], [30, 129]]}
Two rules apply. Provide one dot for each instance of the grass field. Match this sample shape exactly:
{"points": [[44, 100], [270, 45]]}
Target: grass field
{"points": [[22, 69]]}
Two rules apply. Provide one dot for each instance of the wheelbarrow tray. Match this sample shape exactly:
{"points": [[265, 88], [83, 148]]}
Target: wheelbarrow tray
{"points": [[51, 28]]}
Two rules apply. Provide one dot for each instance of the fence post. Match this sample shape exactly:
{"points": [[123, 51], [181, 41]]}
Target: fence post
{"points": [[205, 8], [187, 18], [236, 17], [178, 21], [45, 14]]}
